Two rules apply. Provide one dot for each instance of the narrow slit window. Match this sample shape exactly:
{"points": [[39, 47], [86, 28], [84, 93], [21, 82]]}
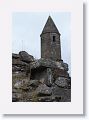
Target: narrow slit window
{"points": [[53, 38]]}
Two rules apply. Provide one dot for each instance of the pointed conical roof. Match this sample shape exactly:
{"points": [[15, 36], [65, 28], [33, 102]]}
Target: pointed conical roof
{"points": [[50, 26]]}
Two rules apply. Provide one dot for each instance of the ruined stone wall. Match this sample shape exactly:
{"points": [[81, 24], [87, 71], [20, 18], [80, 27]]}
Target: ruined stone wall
{"points": [[46, 81]]}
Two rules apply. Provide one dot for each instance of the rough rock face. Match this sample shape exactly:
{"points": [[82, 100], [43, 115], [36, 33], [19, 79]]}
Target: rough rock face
{"points": [[43, 90], [34, 83], [62, 92], [49, 64], [24, 56], [61, 82], [21, 61], [42, 80], [45, 63]]}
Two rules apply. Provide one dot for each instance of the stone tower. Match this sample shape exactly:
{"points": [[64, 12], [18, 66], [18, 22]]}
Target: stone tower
{"points": [[50, 41]]}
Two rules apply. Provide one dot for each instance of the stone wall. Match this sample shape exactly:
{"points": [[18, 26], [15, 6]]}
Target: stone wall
{"points": [[42, 80]]}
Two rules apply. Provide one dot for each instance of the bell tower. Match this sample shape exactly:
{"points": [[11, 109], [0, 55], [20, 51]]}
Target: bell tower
{"points": [[50, 41]]}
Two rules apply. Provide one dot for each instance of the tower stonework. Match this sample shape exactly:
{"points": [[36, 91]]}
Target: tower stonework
{"points": [[50, 41]]}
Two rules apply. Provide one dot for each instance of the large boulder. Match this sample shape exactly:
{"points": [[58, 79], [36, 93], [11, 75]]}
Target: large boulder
{"points": [[61, 82], [48, 63], [45, 63], [24, 56], [43, 90], [60, 73]]}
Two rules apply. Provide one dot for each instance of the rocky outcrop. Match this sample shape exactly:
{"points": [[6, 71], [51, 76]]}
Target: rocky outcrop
{"points": [[48, 63], [21, 61], [42, 80], [25, 57]]}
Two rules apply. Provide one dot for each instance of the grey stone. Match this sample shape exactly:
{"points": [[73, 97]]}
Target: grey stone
{"points": [[45, 63], [48, 70], [34, 83], [43, 90], [61, 82], [24, 56], [48, 63], [18, 84], [63, 92], [49, 80]]}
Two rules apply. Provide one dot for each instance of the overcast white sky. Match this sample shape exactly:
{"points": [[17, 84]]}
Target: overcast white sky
{"points": [[27, 27]]}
